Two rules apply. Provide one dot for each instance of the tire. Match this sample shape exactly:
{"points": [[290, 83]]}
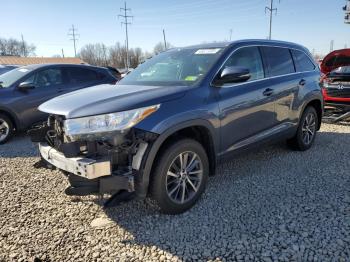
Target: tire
{"points": [[167, 190], [308, 125], [6, 129]]}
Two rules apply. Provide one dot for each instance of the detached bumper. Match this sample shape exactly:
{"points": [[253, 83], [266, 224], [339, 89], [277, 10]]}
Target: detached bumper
{"points": [[83, 167]]}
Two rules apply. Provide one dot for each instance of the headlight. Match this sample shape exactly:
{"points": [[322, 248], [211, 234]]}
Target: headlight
{"points": [[108, 122]]}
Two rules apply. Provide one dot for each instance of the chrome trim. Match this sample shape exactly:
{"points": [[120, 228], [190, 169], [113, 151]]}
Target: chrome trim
{"points": [[265, 78]]}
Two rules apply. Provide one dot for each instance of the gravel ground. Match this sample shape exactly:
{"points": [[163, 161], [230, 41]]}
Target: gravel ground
{"points": [[268, 205]]}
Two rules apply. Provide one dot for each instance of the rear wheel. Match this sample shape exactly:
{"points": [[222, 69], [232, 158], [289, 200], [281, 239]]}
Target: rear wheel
{"points": [[180, 177], [6, 129], [306, 133]]}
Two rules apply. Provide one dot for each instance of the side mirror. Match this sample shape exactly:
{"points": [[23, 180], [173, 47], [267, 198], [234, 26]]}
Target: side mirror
{"points": [[233, 74], [24, 86]]}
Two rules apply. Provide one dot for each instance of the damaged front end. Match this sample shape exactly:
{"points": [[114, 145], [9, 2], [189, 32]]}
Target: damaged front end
{"points": [[99, 163]]}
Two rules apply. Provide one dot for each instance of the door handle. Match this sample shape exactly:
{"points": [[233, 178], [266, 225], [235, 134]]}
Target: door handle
{"points": [[302, 82], [268, 92]]}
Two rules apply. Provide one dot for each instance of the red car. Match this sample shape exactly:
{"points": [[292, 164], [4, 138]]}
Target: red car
{"points": [[335, 83], [336, 77]]}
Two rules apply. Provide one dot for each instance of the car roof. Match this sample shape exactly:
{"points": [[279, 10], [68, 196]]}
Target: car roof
{"points": [[249, 41], [37, 66]]}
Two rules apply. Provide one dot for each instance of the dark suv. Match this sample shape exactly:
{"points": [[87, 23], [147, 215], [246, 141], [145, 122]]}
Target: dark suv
{"points": [[23, 89], [162, 129]]}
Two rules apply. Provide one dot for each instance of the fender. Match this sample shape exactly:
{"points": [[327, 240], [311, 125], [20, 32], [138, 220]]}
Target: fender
{"points": [[147, 162], [8, 111], [312, 96]]}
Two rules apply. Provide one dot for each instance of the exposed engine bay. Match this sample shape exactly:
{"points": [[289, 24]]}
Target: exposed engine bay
{"points": [[106, 163]]}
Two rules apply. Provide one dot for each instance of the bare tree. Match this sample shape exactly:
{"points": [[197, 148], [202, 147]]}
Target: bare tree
{"points": [[14, 47], [160, 47]]}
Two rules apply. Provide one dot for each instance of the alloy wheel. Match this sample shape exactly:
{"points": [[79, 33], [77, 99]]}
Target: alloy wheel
{"points": [[309, 128], [184, 177], [4, 129]]}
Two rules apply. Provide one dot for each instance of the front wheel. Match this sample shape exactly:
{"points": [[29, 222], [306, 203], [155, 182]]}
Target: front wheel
{"points": [[180, 176], [306, 133], [6, 129]]}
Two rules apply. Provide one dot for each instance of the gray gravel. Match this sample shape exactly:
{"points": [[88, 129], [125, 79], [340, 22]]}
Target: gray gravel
{"points": [[268, 205]]}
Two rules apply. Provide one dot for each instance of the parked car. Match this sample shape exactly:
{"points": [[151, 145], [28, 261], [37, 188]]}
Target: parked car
{"points": [[162, 134], [6, 68], [23, 89], [336, 84], [335, 68]]}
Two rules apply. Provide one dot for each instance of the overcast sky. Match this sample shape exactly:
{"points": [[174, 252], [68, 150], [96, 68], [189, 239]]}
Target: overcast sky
{"points": [[45, 23]]}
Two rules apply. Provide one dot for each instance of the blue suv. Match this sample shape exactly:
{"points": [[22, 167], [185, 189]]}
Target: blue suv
{"points": [[161, 130]]}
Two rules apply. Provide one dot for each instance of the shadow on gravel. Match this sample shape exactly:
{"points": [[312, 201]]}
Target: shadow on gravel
{"points": [[19, 146], [271, 199]]}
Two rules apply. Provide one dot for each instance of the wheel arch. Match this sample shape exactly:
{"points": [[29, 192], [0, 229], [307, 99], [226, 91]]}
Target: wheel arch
{"points": [[318, 105], [199, 130], [12, 117]]}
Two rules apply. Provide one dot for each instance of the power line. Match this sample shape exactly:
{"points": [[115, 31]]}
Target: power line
{"points": [[231, 34], [271, 9], [74, 37], [126, 23]]}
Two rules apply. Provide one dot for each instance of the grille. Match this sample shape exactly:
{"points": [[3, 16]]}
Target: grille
{"points": [[335, 92]]}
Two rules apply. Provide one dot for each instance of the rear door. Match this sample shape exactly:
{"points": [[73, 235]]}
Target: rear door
{"points": [[284, 82], [80, 77], [245, 108]]}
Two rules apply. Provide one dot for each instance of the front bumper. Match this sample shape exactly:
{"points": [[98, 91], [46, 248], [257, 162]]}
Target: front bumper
{"points": [[83, 167]]}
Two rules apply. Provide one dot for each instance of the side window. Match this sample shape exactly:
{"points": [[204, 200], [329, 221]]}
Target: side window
{"points": [[46, 78], [302, 61], [278, 60], [80, 75], [248, 57]]}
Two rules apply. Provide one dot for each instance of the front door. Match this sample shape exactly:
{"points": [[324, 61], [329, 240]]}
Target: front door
{"points": [[246, 109], [47, 84]]}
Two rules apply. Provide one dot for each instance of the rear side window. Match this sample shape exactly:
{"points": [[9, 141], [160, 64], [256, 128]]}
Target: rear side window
{"points": [[80, 75], [278, 61], [302, 61]]}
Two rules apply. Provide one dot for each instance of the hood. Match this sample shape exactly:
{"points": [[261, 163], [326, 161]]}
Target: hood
{"points": [[104, 99], [334, 60]]}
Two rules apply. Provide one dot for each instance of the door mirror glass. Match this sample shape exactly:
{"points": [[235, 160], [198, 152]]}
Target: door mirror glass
{"points": [[233, 74], [24, 86]]}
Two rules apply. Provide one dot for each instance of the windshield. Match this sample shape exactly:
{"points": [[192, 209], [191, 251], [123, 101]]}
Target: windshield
{"points": [[9, 78], [184, 67]]}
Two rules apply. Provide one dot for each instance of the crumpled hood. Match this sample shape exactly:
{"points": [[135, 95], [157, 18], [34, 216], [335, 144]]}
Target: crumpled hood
{"points": [[103, 99]]}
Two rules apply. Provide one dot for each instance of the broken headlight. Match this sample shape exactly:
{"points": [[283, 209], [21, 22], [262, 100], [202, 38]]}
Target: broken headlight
{"points": [[108, 122]]}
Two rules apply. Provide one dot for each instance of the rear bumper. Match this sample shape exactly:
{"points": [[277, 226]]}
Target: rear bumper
{"points": [[83, 167]]}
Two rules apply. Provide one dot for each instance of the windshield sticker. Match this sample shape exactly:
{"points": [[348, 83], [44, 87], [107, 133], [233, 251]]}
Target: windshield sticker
{"points": [[191, 78], [207, 51], [23, 70]]}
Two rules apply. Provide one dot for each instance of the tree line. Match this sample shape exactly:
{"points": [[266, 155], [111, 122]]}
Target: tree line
{"points": [[14, 47], [101, 55]]}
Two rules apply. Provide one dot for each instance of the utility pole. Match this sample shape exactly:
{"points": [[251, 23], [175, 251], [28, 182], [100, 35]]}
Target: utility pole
{"points": [[74, 37], [126, 23], [331, 46], [270, 9], [231, 34], [23, 47], [164, 39], [62, 52], [104, 54]]}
